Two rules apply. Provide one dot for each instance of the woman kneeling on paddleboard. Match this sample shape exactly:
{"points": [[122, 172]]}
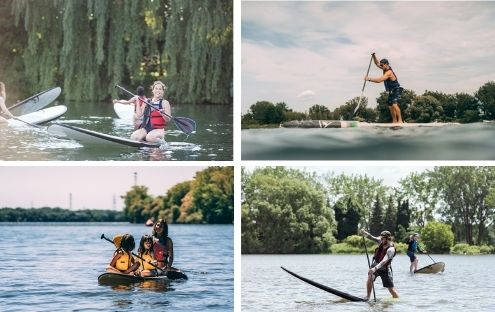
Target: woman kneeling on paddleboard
{"points": [[123, 261], [154, 122], [382, 262], [3, 106], [163, 247], [145, 251]]}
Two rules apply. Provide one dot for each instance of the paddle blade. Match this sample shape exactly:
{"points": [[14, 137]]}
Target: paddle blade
{"points": [[186, 125], [117, 240], [173, 275]]}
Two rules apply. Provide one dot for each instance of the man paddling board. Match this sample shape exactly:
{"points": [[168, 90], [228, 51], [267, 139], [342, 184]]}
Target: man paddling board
{"points": [[392, 86], [382, 263]]}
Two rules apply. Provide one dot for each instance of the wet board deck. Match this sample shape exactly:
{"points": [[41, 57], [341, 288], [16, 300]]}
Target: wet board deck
{"points": [[119, 278], [432, 268], [94, 138], [357, 124], [326, 288], [39, 117], [35, 102]]}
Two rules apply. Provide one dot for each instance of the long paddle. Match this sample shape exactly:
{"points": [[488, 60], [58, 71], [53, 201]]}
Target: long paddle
{"points": [[369, 267], [364, 85], [186, 125], [170, 274], [431, 258]]}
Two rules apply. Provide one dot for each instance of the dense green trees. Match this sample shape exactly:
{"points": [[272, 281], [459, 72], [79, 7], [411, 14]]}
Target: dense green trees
{"points": [[282, 207], [284, 211], [208, 198], [88, 46], [47, 214], [431, 106]]}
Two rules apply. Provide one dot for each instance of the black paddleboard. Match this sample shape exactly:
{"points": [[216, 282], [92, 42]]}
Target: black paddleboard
{"points": [[326, 288]]}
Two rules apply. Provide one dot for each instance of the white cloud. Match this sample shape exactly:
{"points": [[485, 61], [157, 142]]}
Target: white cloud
{"points": [[306, 95]]}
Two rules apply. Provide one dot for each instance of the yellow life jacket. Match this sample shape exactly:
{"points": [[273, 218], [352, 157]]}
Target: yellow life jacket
{"points": [[124, 262], [144, 263]]}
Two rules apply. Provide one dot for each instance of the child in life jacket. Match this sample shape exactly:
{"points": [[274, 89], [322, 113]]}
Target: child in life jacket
{"points": [[123, 260], [145, 251]]}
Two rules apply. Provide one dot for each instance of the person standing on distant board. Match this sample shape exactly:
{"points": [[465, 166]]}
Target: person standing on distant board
{"points": [[392, 86], [154, 122], [139, 106], [412, 247], [3, 107]]}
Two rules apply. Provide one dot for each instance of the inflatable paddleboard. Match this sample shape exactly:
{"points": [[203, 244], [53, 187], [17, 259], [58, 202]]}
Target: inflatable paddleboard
{"points": [[35, 102], [39, 117]]}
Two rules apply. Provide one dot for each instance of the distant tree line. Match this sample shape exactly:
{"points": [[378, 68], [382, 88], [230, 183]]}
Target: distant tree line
{"points": [[86, 47], [208, 198], [431, 106], [47, 214], [291, 211]]}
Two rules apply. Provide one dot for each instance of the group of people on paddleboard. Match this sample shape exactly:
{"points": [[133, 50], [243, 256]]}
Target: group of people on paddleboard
{"points": [[155, 253], [382, 260], [3, 107], [392, 86], [150, 115]]}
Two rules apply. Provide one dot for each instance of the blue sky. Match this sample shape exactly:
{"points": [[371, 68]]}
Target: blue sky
{"points": [[91, 186], [306, 53]]}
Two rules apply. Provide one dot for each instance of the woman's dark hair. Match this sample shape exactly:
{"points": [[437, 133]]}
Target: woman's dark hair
{"points": [[144, 239], [140, 91], [161, 223], [128, 242]]}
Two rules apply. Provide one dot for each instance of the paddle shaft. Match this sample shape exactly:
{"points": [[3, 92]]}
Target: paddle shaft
{"points": [[431, 258], [108, 240], [364, 85], [369, 267], [145, 102]]}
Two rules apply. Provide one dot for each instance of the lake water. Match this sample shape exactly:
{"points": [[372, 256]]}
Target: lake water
{"points": [[213, 139], [461, 142], [49, 267], [467, 284]]}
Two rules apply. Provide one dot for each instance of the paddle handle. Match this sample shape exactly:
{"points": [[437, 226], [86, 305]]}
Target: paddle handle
{"points": [[369, 267]]}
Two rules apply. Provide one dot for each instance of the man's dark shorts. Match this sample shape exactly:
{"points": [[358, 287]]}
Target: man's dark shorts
{"points": [[394, 96], [386, 275], [411, 255]]}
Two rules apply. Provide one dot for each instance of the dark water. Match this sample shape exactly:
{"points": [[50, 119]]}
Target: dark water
{"points": [[462, 142], [467, 284], [213, 139], [47, 267]]}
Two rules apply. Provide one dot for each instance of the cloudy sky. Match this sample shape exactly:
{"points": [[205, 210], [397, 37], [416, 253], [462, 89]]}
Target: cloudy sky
{"points": [[306, 53], [91, 186]]}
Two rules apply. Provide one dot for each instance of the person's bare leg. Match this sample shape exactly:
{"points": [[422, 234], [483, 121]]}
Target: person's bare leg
{"points": [[369, 286], [392, 113], [393, 292], [398, 116]]}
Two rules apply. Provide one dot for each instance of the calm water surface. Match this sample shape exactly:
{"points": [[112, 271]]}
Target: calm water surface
{"points": [[213, 139], [47, 267], [461, 142], [467, 284]]}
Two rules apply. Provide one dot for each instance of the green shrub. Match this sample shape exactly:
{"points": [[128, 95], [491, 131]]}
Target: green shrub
{"points": [[485, 249], [465, 249], [357, 242], [437, 237], [401, 248], [344, 248]]}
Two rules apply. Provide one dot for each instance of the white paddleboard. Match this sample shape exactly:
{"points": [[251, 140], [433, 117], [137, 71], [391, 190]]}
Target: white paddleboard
{"points": [[35, 102], [124, 111], [39, 117], [94, 138]]}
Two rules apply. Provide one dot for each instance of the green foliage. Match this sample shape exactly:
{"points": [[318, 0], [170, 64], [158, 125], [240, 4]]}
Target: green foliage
{"points": [[46, 214], [383, 110], [486, 96], [437, 237], [390, 217], [88, 46], [376, 222], [344, 248], [284, 211], [468, 108], [466, 249], [319, 112], [424, 109], [347, 218]]}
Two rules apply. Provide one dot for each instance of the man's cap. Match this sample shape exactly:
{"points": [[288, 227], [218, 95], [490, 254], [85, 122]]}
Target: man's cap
{"points": [[385, 233], [384, 61], [416, 234]]}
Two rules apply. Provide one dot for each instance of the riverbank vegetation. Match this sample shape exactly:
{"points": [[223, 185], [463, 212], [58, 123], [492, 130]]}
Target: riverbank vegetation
{"points": [[86, 47], [431, 106], [207, 198], [286, 210]]}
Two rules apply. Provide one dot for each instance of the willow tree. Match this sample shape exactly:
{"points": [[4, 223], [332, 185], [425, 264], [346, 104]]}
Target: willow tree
{"points": [[88, 46]]}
